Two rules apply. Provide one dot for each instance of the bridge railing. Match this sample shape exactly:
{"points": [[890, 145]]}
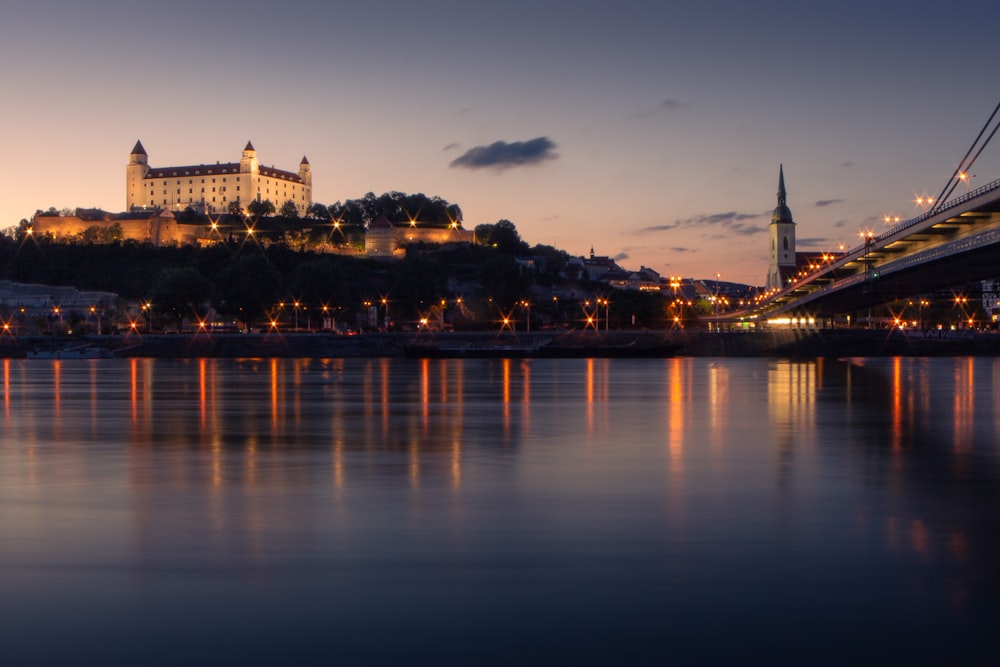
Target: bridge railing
{"points": [[950, 204]]}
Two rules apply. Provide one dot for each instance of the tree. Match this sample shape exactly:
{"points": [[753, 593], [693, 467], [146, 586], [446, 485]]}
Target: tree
{"points": [[319, 282], [317, 211], [504, 280], [503, 236], [180, 291], [259, 209], [289, 209], [247, 288]]}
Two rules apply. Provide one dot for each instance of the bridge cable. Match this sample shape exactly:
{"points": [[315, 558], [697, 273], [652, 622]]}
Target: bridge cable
{"points": [[972, 161], [953, 181]]}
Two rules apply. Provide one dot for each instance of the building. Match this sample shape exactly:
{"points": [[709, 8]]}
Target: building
{"points": [[782, 264], [158, 227], [384, 238], [214, 188]]}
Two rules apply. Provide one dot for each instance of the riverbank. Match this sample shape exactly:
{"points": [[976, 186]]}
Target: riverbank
{"points": [[779, 343]]}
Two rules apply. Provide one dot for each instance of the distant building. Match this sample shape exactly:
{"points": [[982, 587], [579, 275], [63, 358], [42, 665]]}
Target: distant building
{"points": [[782, 264], [158, 227], [596, 266], [384, 238], [35, 298], [991, 299], [214, 188]]}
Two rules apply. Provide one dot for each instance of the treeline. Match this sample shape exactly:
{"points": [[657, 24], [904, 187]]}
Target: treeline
{"points": [[470, 286]]}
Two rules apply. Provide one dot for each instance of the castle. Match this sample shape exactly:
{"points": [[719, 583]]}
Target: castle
{"points": [[214, 188], [156, 197]]}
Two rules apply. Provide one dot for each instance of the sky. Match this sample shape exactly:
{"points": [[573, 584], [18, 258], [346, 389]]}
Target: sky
{"points": [[649, 131]]}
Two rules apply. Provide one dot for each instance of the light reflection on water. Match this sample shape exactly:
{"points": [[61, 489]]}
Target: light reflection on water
{"points": [[479, 511]]}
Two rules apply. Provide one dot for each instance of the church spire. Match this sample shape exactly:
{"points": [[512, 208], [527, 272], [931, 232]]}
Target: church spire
{"points": [[782, 215], [781, 185]]}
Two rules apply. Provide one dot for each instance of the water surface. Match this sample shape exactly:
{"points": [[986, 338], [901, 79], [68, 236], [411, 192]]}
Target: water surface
{"points": [[695, 511]]}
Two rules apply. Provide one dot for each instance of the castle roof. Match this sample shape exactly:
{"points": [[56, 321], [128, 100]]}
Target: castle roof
{"points": [[381, 222], [138, 149], [304, 160], [249, 146], [217, 169]]}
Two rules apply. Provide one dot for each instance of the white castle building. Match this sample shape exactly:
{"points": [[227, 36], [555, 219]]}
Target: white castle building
{"points": [[213, 188]]}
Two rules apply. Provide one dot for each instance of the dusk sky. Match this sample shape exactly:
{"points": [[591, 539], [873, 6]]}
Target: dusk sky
{"points": [[650, 131]]}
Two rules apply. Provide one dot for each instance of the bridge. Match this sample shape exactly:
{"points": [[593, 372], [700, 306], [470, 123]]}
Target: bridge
{"points": [[954, 243]]}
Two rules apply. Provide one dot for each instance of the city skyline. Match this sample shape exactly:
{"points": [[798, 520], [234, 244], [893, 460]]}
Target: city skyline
{"points": [[652, 134]]}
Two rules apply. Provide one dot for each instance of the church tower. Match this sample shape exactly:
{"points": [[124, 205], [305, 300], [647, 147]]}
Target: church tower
{"points": [[782, 233], [135, 171]]}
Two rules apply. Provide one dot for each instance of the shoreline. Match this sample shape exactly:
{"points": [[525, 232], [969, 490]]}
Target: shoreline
{"points": [[546, 344]]}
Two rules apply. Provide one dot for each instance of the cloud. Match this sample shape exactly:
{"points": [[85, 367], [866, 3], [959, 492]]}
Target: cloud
{"points": [[840, 223], [620, 256], [682, 249], [503, 155], [450, 147], [668, 106], [730, 222], [827, 202], [846, 165]]}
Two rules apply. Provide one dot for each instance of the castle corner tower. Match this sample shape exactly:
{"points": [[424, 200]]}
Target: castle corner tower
{"points": [[782, 235], [135, 172]]}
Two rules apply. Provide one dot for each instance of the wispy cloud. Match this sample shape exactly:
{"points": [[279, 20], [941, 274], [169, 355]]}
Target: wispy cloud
{"points": [[720, 224], [846, 165], [620, 256], [668, 106], [682, 249], [450, 147], [827, 202], [503, 155]]}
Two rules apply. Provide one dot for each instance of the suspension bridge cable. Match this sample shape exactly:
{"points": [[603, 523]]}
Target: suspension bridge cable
{"points": [[953, 182]]}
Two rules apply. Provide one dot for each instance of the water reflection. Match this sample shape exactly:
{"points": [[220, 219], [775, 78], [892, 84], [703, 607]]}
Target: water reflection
{"points": [[564, 488]]}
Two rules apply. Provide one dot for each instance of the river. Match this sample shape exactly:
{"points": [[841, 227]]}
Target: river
{"points": [[562, 511]]}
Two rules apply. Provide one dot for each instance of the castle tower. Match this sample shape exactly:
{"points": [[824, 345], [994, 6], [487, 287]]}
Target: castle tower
{"points": [[135, 172], [249, 163], [305, 172], [782, 234]]}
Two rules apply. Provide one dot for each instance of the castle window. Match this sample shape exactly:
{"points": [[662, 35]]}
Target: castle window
{"points": [[786, 243]]}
